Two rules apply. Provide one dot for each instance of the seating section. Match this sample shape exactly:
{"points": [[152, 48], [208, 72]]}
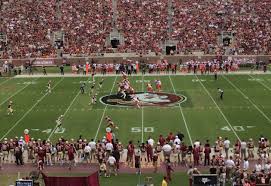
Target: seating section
{"points": [[144, 25]]}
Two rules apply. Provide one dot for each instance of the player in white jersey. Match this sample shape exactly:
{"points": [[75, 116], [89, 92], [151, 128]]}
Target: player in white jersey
{"points": [[136, 100], [49, 87], [221, 92], [149, 88], [59, 121], [158, 84], [94, 99], [10, 110]]}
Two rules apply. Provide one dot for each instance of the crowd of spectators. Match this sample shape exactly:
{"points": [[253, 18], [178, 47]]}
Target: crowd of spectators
{"points": [[239, 162], [86, 24], [198, 23], [133, 67]]}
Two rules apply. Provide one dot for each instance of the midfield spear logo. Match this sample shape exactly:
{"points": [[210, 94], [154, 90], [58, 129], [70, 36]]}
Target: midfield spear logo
{"points": [[145, 99]]}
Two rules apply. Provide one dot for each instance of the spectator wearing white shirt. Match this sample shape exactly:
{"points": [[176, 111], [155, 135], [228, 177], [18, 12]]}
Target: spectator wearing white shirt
{"points": [[92, 145], [243, 149], [258, 166], [111, 162], [227, 147], [267, 167], [197, 143], [167, 150], [177, 140], [150, 141], [229, 167], [264, 156], [246, 164], [87, 151], [109, 147]]}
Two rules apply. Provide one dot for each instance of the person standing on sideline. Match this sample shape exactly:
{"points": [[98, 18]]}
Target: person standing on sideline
{"points": [[168, 170], [227, 147], [71, 157], [164, 182], [215, 74], [18, 155], [61, 70], [137, 162], [207, 152], [44, 70], [243, 147], [221, 93], [245, 164]]}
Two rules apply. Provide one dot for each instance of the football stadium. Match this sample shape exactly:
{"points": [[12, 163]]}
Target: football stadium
{"points": [[135, 92]]}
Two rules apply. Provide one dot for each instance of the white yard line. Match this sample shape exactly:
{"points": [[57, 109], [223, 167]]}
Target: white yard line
{"points": [[223, 115], [268, 88], [18, 91], [38, 101], [49, 75], [181, 110], [5, 81], [67, 110], [142, 113], [101, 121], [247, 98]]}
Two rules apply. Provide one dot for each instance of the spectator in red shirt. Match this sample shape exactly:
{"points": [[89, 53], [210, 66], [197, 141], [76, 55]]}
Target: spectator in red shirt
{"points": [[207, 152]]}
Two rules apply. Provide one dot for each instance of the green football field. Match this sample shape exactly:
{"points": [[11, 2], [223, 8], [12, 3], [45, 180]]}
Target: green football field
{"points": [[244, 112]]}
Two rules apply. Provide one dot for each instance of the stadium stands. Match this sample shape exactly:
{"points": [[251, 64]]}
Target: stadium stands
{"points": [[86, 24]]}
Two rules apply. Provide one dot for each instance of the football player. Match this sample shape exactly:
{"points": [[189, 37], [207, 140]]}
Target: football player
{"points": [[158, 84], [110, 123], [149, 88], [49, 89], [221, 92], [136, 100], [59, 121], [10, 110], [94, 99]]}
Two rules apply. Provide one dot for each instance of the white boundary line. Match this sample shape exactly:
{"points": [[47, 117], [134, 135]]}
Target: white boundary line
{"points": [[247, 98], [67, 110], [49, 75], [15, 93], [142, 113], [5, 81], [223, 115], [261, 83], [181, 110], [96, 135], [38, 101]]}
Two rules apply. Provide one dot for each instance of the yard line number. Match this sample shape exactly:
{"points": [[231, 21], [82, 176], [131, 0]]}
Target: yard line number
{"points": [[80, 82], [255, 79], [198, 80], [48, 131], [27, 83], [237, 128], [139, 129]]}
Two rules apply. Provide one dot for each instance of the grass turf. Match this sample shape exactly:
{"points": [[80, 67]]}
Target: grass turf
{"points": [[244, 110]]}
